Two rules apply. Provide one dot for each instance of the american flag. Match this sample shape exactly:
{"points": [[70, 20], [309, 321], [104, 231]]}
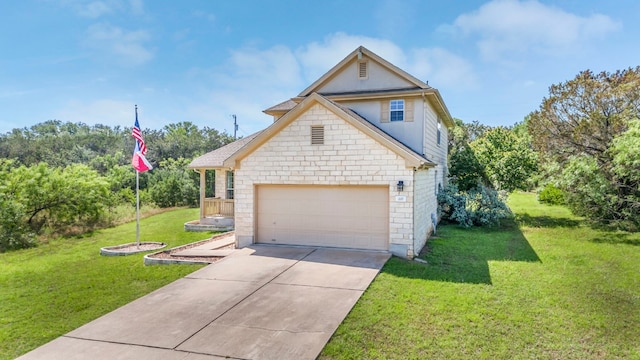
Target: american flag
{"points": [[137, 134], [139, 161]]}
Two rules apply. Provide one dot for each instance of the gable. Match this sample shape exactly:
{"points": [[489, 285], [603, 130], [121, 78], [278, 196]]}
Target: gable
{"points": [[309, 105], [343, 149], [377, 77], [390, 74]]}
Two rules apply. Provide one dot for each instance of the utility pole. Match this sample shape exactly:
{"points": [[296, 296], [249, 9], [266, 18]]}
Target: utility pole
{"points": [[235, 126]]}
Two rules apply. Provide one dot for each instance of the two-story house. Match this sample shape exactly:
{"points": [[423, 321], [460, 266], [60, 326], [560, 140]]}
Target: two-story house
{"points": [[353, 161]]}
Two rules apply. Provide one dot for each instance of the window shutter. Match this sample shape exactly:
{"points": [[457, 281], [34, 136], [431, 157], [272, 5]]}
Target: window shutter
{"points": [[408, 110], [384, 116], [317, 135]]}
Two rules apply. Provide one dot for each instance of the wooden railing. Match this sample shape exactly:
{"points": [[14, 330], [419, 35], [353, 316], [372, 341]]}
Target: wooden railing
{"points": [[218, 207]]}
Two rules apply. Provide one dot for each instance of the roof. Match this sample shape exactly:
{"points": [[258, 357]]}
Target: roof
{"points": [[355, 54], [281, 107], [419, 88], [381, 132], [412, 158], [216, 158]]}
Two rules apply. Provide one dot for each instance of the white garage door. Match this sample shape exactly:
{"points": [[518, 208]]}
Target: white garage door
{"points": [[339, 216]]}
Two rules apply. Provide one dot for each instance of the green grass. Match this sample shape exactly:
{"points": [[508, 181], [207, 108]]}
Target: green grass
{"points": [[543, 287], [50, 290]]}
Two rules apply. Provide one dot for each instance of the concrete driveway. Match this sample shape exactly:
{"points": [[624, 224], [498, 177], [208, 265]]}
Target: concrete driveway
{"points": [[263, 302]]}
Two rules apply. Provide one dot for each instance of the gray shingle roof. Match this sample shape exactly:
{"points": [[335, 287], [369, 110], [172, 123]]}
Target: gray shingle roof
{"points": [[216, 158], [283, 106]]}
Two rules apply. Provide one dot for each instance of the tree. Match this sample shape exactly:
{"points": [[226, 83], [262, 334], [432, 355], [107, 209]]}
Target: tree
{"points": [[57, 198], [508, 161], [588, 126], [583, 115], [464, 167]]}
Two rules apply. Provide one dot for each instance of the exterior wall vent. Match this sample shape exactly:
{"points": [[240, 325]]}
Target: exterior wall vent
{"points": [[317, 135], [363, 70]]}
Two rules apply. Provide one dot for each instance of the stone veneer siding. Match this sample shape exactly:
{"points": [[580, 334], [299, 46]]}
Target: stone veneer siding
{"points": [[348, 157]]}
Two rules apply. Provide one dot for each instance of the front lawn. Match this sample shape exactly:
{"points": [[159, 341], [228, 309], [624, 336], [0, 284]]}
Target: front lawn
{"points": [[544, 287], [50, 290]]}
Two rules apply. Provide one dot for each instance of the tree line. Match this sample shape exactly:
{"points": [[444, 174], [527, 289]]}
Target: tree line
{"points": [[581, 148], [59, 177]]}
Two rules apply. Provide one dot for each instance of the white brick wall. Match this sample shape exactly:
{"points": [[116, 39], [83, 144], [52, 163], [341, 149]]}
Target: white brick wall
{"points": [[348, 157]]}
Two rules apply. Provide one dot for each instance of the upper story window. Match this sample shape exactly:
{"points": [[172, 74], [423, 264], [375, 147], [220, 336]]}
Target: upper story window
{"points": [[439, 132], [396, 110]]}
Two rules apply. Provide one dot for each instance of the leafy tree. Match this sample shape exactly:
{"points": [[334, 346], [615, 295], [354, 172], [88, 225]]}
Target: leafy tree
{"points": [[171, 184], [464, 167], [588, 127], [583, 115], [508, 161], [57, 198]]}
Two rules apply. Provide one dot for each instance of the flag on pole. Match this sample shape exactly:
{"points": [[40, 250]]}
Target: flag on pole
{"points": [[139, 161]]}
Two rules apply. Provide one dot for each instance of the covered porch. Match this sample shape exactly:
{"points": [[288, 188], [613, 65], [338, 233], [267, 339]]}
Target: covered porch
{"points": [[217, 208], [216, 201]]}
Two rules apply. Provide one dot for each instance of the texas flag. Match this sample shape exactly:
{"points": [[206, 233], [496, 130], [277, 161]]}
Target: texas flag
{"points": [[138, 161]]}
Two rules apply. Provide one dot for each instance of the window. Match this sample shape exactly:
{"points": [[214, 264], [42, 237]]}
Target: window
{"points": [[435, 190], [363, 70], [229, 184], [396, 110], [210, 183], [438, 133], [317, 135]]}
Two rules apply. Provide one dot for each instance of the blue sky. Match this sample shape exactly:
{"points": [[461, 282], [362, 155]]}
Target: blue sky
{"points": [[90, 61]]}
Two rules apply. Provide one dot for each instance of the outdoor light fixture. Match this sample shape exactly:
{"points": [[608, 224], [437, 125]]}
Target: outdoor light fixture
{"points": [[400, 185]]}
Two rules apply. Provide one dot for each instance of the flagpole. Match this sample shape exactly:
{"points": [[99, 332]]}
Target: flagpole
{"points": [[138, 208], [137, 196]]}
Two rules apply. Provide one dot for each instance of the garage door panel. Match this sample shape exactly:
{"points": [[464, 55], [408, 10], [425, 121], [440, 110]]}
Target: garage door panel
{"points": [[340, 216]]}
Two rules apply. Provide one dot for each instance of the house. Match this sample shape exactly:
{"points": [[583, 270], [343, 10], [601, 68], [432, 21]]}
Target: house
{"points": [[354, 161]]}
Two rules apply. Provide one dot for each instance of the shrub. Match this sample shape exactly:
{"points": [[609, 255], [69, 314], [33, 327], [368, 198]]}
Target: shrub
{"points": [[480, 206], [551, 195], [14, 232]]}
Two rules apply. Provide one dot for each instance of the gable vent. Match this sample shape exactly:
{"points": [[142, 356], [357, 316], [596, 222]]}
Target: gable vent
{"points": [[362, 70], [317, 135]]}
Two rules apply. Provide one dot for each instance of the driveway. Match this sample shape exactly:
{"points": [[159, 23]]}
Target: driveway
{"points": [[263, 302]]}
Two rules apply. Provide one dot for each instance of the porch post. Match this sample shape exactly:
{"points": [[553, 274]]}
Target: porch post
{"points": [[203, 189]]}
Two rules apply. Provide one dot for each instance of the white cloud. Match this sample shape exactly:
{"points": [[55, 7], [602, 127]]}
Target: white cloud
{"points": [[504, 27], [126, 46], [92, 8], [437, 65], [136, 6], [441, 68], [103, 111], [253, 79], [204, 15], [318, 57]]}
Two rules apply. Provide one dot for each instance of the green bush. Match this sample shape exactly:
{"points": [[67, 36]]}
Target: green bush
{"points": [[551, 195], [14, 232], [479, 206]]}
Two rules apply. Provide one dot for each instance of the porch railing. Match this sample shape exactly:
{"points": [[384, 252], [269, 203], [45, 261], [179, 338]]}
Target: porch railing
{"points": [[218, 207]]}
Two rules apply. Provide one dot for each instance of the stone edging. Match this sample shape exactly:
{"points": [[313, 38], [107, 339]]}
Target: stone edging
{"points": [[113, 250]]}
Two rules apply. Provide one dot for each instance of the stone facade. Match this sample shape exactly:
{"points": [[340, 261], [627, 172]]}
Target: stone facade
{"points": [[347, 157]]}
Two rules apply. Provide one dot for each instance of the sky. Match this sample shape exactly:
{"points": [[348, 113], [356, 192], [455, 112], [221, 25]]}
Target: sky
{"points": [[202, 61]]}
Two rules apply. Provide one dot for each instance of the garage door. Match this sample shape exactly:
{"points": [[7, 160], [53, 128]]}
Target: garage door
{"points": [[339, 216]]}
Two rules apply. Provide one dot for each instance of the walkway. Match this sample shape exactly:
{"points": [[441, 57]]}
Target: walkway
{"points": [[262, 302]]}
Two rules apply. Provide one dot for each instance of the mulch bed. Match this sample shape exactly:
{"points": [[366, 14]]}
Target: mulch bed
{"points": [[169, 254]]}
